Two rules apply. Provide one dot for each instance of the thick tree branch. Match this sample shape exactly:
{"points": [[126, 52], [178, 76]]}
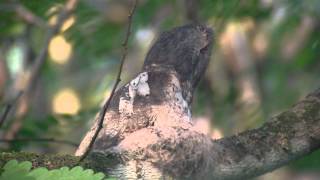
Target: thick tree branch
{"points": [[287, 137], [43, 140], [54, 161]]}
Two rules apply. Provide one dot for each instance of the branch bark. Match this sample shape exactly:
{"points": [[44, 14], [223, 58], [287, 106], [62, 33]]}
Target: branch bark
{"points": [[288, 136], [39, 140]]}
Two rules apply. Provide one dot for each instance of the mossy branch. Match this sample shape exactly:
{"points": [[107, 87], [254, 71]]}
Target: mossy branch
{"points": [[290, 135]]}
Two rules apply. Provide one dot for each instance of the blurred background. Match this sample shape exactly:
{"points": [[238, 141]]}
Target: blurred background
{"points": [[266, 57]]}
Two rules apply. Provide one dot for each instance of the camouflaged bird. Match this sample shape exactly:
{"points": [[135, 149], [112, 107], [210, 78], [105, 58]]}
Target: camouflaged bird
{"points": [[154, 103]]}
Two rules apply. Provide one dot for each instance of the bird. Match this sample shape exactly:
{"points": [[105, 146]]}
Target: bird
{"points": [[156, 102]]}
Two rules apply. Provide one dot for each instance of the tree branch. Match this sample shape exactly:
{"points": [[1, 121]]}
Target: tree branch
{"points": [[54, 161], [29, 17], [8, 107], [288, 136], [45, 140], [24, 14]]}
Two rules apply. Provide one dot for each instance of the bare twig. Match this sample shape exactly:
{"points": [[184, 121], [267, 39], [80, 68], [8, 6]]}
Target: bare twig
{"points": [[24, 14], [106, 105], [42, 56], [45, 140], [64, 14], [8, 107], [29, 17]]}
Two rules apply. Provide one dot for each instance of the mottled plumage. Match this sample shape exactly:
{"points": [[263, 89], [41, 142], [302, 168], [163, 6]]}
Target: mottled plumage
{"points": [[158, 99]]}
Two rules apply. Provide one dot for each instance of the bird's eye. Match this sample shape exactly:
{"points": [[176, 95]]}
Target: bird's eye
{"points": [[134, 84]]}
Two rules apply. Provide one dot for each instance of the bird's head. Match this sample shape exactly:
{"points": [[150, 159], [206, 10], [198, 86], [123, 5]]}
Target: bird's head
{"points": [[186, 50]]}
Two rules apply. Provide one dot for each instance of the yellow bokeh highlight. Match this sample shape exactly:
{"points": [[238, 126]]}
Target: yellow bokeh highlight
{"points": [[60, 50], [53, 20], [66, 101], [66, 25]]}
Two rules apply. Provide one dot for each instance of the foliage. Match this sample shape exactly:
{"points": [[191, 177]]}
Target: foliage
{"points": [[22, 171]]}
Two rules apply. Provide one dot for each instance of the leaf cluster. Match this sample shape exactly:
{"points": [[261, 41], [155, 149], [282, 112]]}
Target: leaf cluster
{"points": [[23, 171]]}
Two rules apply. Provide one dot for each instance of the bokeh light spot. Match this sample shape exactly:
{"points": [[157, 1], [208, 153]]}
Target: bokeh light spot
{"points": [[144, 37], [15, 59], [66, 101], [60, 50], [66, 25]]}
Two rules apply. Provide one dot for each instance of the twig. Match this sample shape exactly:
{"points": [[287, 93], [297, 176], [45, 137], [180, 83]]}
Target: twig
{"points": [[29, 17], [46, 140], [8, 107], [24, 14], [42, 56], [65, 12], [106, 105]]}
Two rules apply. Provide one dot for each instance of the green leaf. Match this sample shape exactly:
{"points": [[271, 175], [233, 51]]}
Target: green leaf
{"points": [[16, 171], [21, 171], [40, 173]]}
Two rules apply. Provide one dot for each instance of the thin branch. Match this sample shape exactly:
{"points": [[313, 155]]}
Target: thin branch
{"points": [[8, 107], [106, 105], [24, 14], [42, 56], [29, 17], [63, 16], [45, 140]]}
